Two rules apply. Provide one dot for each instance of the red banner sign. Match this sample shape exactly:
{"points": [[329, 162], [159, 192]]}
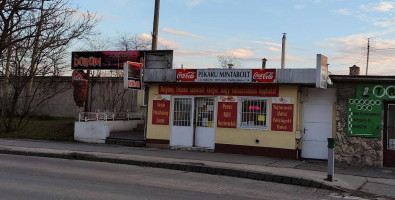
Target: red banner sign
{"points": [[282, 117], [263, 75], [227, 115], [186, 75], [220, 89], [160, 112]]}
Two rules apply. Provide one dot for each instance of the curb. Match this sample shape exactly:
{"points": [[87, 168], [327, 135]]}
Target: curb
{"points": [[184, 167]]}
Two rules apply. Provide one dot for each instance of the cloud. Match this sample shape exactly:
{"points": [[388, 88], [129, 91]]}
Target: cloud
{"points": [[182, 33], [240, 53], [384, 22], [343, 11], [273, 49], [168, 44], [383, 6], [267, 43], [347, 52]]}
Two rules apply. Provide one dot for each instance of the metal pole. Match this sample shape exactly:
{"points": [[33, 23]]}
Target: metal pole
{"points": [[331, 159], [367, 57], [155, 28], [87, 92], [284, 40]]}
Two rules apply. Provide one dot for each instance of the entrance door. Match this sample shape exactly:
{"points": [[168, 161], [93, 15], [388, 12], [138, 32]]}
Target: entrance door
{"points": [[317, 122], [204, 122], [182, 122], [389, 135]]}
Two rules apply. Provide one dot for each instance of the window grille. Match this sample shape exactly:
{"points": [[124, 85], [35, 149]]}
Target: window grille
{"points": [[182, 112], [205, 112], [391, 127], [254, 113]]}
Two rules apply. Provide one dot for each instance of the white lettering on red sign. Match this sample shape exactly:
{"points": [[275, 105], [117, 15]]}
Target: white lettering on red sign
{"points": [[267, 75], [187, 75], [263, 75]]}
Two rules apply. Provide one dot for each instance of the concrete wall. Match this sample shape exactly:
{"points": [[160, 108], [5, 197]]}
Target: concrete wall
{"points": [[98, 131], [106, 94], [358, 151]]}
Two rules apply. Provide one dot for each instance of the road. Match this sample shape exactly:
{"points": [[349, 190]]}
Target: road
{"points": [[23, 177]]}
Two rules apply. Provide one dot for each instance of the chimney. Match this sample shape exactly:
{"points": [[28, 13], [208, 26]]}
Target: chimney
{"points": [[354, 70], [283, 51], [230, 66], [264, 63]]}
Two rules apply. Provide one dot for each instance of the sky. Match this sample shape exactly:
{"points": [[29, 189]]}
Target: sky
{"points": [[201, 30]]}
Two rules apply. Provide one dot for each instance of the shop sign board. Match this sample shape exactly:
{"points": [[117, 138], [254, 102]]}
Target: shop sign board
{"points": [[186, 75], [322, 71], [227, 112], [161, 111], [282, 114], [111, 60], [132, 75], [364, 117], [220, 89], [263, 75], [377, 91], [226, 75]]}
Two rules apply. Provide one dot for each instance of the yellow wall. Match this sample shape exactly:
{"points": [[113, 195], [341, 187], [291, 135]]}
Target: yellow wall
{"points": [[275, 139], [236, 136], [161, 132]]}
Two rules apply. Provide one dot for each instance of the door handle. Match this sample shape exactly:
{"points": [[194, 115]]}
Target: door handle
{"points": [[304, 130]]}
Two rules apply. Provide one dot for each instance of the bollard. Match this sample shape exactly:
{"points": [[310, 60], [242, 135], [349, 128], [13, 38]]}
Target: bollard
{"points": [[331, 159]]}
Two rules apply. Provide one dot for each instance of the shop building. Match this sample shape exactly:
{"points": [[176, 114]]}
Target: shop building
{"points": [[365, 119], [244, 111]]}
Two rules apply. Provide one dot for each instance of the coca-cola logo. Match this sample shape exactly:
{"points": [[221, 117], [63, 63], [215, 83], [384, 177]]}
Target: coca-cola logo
{"points": [[188, 75], [266, 75]]}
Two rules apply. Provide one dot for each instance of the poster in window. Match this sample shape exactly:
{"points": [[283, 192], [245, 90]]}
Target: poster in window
{"points": [[227, 115], [160, 112], [282, 117]]}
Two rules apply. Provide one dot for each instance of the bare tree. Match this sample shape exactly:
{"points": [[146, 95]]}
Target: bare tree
{"points": [[39, 52], [133, 42], [226, 61]]}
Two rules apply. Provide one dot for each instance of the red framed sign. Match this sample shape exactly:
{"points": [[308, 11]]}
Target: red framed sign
{"points": [[263, 75], [186, 75]]}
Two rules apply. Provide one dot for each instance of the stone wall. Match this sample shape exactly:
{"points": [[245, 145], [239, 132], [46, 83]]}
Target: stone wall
{"points": [[356, 151]]}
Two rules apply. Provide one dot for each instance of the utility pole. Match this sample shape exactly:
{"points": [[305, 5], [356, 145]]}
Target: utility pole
{"points": [[367, 57], [155, 28]]}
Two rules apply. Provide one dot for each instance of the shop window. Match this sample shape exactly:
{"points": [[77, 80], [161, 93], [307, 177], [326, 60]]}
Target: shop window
{"points": [[253, 113], [182, 112]]}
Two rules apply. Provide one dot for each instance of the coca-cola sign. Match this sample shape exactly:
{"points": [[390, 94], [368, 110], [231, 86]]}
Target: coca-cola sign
{"points": [[186, 75], [263, 75]]}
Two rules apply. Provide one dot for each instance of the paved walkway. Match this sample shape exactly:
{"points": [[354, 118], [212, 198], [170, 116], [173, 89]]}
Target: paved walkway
{"points": [[310, 173]]}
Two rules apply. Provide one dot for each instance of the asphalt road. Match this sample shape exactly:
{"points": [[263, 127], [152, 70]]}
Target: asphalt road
{"points": [[23, 177]]}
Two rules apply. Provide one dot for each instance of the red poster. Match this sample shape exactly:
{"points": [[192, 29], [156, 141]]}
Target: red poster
{"points": [[282, 117], [227, 115], [220, 89], [160, 112], [263, 75], [186, 75]]}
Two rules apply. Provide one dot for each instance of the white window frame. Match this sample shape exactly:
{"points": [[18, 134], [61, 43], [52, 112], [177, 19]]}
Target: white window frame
{"points": [[240, 113]]}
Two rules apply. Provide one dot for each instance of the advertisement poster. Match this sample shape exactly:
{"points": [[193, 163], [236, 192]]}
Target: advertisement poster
{"points": [[227, 112], [282, 117], [263, 75], [364, 117], [161, 112]]}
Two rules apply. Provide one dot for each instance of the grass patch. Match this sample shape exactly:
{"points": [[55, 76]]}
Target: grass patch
{"points": [[39, 128]]}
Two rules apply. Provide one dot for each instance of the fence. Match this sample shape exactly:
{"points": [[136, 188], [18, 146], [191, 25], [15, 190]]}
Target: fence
{"points": [[106, 115]]}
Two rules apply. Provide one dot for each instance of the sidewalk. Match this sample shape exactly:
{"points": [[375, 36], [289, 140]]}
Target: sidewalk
{"points": [[310, 173]]}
